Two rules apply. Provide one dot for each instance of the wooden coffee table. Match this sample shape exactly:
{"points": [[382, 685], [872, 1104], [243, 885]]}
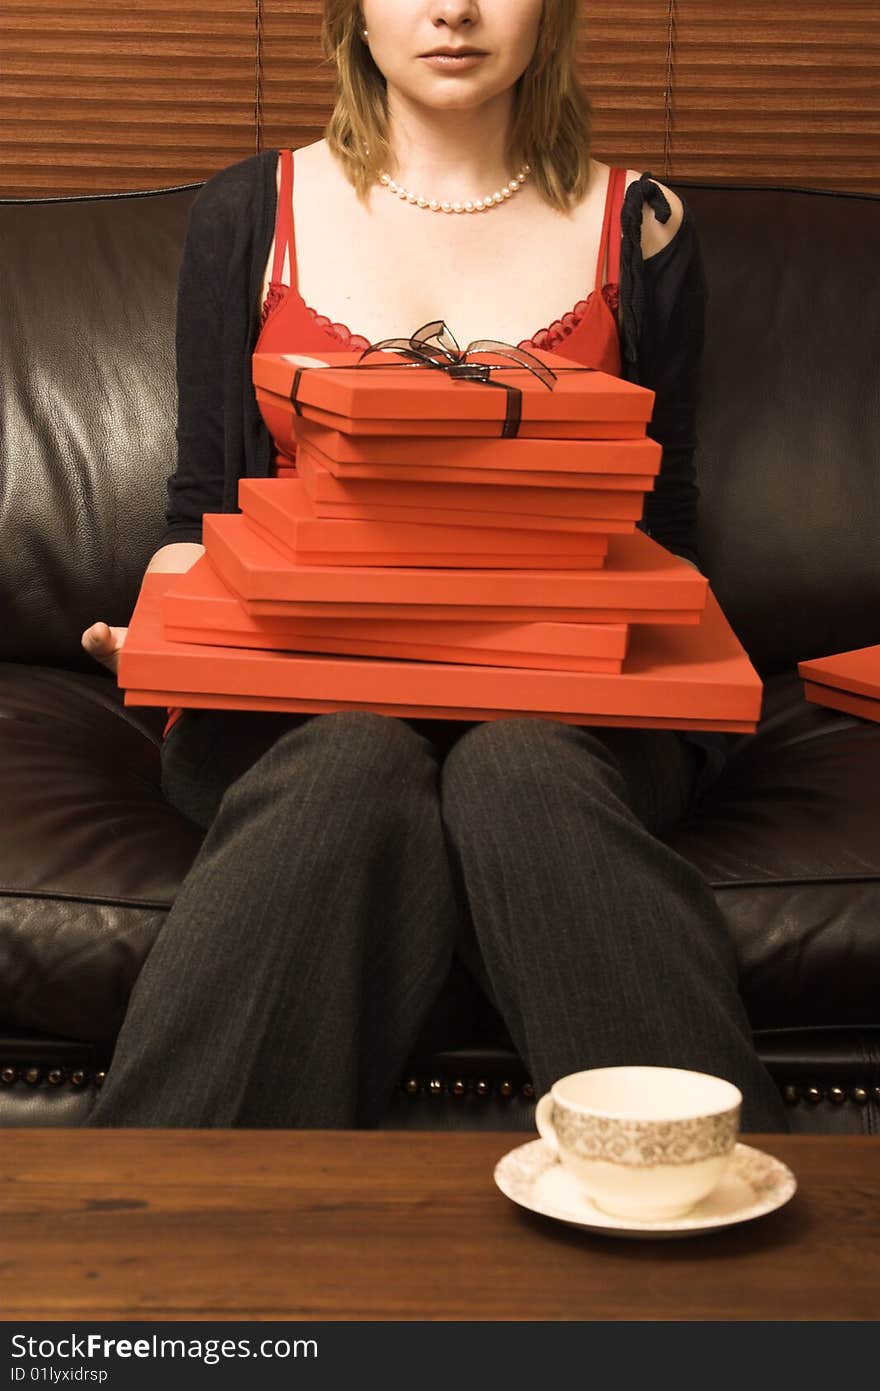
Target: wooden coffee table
{"points": [[398, 1225]]}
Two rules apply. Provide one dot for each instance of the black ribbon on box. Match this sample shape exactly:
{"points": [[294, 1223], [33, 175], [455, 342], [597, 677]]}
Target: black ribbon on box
{"points": [[455, 362]]}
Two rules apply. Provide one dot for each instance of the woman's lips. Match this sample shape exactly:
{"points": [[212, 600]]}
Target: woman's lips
{"points": [[445, 62]]}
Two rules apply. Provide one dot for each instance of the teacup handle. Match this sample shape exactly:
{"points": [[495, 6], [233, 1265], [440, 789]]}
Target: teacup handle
{"points": [[544, 1123]]}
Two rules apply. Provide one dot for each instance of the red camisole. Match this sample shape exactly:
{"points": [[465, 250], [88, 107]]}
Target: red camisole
{"points": [[588, 332]]}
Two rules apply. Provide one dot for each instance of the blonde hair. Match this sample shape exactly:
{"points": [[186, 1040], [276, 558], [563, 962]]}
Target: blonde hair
{"points": [[550, 128]]}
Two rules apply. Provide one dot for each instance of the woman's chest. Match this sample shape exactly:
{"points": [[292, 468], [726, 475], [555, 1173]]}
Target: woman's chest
{"points": [[386, 269]]}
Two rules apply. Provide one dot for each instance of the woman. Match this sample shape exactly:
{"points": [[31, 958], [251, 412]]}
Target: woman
{"points": [[347, 857]]}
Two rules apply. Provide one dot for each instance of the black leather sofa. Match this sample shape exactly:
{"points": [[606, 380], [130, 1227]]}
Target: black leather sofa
{"points": [[91, 856]]}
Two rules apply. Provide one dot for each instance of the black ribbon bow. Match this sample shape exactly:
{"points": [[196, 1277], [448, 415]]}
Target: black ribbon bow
{"points": [[448, 357]]}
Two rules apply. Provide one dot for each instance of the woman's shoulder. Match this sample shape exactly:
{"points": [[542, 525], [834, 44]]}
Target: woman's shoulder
{"points": [[662, 211]]}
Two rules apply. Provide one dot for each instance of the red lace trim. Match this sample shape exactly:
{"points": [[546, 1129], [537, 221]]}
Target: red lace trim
{"points": [[274, 296], [345, 335], [546, 338], [556, 333], [346, 338]]}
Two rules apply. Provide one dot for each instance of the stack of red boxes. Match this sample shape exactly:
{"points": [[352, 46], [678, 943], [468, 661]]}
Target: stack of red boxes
{"points": [[444, 547]]}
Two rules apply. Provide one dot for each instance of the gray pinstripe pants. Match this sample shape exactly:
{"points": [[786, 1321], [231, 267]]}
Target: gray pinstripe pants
{"points": [[347, 857]]}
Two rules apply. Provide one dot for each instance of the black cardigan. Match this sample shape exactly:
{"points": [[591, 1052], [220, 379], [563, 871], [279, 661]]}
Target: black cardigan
{"points": [[220, 432]]}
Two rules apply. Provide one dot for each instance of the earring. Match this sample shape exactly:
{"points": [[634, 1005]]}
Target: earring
{"points": [[364, 32]]}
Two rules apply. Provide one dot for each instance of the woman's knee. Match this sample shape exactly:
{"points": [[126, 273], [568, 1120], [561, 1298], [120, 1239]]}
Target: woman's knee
{"points": [[505, 761]]}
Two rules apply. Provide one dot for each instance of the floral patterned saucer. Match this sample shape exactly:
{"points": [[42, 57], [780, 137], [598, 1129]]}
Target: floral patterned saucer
{"points": [[755, 1184]]}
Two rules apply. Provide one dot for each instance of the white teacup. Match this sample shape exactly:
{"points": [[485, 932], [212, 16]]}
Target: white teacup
{"points": [[643, 1142]]}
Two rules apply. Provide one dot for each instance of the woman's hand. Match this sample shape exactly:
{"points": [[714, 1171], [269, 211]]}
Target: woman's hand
{"points": [[104, 644]]}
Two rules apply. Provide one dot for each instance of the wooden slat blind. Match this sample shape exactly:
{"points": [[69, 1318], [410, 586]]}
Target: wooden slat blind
{"points": [[99, 97], [96, 95], [623, 63], [777, 92], [298, 82]]}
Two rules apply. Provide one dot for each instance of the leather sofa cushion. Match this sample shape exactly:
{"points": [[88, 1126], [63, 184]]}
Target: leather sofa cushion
{"points": [[788, 837], [91, 854], [787, 429]]}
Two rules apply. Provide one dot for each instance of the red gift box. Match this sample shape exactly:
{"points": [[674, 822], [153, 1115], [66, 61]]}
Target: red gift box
{"points": [[857, 671], [696, 677], [364, 498], [283, 424], [452, 517], [290, 705], [862, 706], [199, 608], [848, 681], [620, 464], [639, 578], [388, 395], [422, 472], [281, 507]]}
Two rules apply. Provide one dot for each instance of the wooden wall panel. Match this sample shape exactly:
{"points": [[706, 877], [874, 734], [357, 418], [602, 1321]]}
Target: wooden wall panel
{"points": [[99, 97], [96, 95]]}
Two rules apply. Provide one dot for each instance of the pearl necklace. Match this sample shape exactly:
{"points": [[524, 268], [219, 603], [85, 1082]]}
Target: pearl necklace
{"points": [[477, 206]]}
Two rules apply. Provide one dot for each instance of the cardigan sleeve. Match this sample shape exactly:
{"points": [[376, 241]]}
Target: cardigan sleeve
{"points": [[663, 303], [196, 484]]}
